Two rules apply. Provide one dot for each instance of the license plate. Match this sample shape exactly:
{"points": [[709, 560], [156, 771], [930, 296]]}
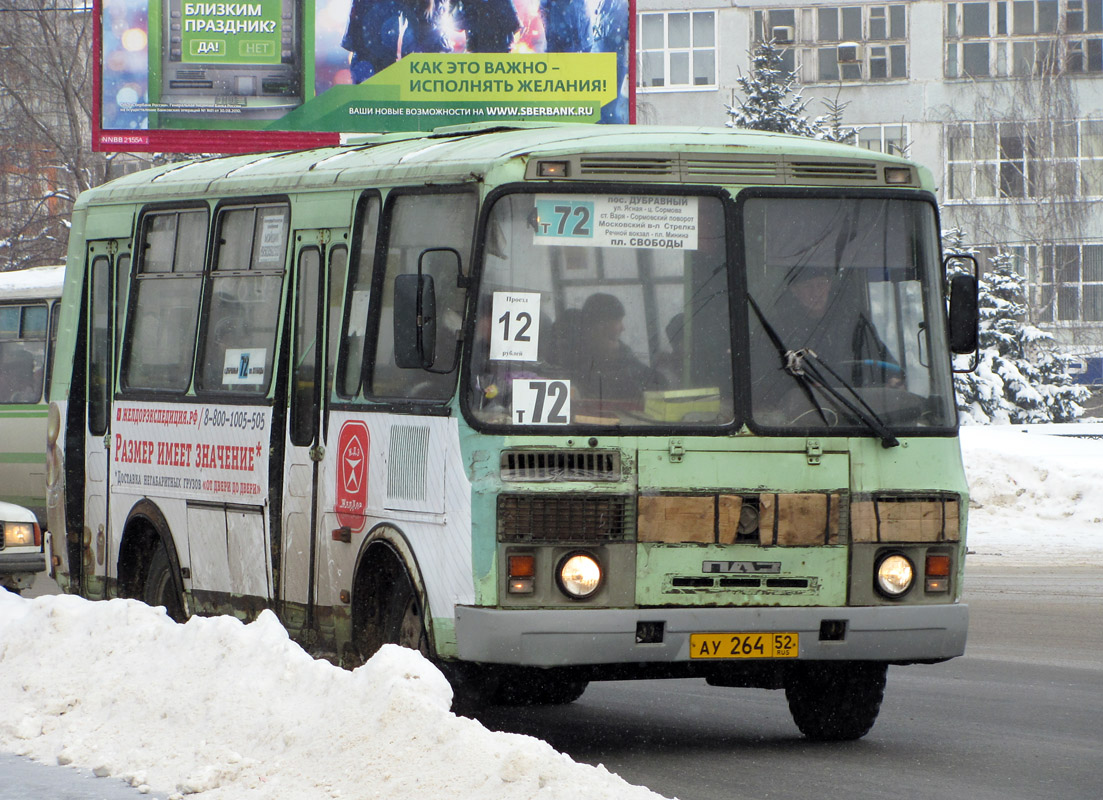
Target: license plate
{"points": [[744, 645]]}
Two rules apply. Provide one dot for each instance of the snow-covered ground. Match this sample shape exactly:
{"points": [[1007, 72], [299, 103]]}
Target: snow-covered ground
{"points": [[1036, 493], [215, 709]]}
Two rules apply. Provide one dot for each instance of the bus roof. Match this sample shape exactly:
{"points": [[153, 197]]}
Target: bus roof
{"points": [[459, 153], [32, 284]]}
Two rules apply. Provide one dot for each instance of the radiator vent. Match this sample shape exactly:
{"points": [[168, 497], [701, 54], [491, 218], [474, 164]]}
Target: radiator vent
{"points": [[721, 168], [814, 171], [563, 518], [407, 463], [732, 170], [560, 465], [637, 166]]}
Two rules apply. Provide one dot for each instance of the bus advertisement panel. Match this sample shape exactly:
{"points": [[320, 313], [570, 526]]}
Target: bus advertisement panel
{"points": [[179, 76]]}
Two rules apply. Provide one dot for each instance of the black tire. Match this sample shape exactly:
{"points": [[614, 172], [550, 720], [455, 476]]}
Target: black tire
{"points": [[835, 701], [405, 625], [160, 588], [534, 688]]}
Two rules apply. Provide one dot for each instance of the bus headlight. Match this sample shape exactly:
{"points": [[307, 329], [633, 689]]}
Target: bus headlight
{"points": [[579, 575], [895, 575]]}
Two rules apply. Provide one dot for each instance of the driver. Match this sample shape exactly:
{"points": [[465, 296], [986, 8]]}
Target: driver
{"points": [[813, 314]]}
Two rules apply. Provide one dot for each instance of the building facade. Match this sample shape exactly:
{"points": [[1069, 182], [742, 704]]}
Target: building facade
{"points": [[1001, 99]]}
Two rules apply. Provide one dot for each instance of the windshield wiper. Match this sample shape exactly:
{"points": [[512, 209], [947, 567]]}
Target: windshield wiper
{"points": [[804, 365]]}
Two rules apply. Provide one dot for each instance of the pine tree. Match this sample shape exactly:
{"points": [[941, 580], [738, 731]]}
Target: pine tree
{"points": [[770, 104], [1020, 376], [830, 127]]}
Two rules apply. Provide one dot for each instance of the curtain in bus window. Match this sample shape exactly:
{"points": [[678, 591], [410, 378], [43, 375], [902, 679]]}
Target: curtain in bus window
{"points": [[22, 352], [239, 328], [418, 223], [351, 367], [160, 339]]}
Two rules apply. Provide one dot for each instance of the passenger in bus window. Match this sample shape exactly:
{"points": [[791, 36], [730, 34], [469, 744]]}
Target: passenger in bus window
{"points": [[20, 377], [671, 364], [603, 365]]}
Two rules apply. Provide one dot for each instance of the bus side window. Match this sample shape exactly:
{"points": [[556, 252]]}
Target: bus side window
{"points": [[420, 222], [161, 334], [351, 367], [22, 353], [239, 335]]}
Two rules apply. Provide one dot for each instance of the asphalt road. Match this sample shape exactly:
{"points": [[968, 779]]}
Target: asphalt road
{"points": [[1018, 717]]}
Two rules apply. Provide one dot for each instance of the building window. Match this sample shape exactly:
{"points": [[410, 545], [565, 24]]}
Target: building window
{"points": [[677, 50], [1024, 160], [892, 139], [1065, 280], [1000, 38], [848, 43]]}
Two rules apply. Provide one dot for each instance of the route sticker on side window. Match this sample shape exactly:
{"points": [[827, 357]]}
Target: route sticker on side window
{"points": [[655, 222], [244, 366], [515, 331], [539, 402]]}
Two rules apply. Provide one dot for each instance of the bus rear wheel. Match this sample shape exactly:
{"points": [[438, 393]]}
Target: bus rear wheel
{"points": [[835, 701], [160, 584]]}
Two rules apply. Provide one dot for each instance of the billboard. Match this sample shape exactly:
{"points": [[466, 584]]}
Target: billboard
{"points": [[182, 76]]}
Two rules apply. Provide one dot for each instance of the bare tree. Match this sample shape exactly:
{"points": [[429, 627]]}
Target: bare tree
{"points": [[45, 115], [1029, 123]]}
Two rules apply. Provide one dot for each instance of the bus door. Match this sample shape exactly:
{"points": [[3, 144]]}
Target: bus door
{"points": [[108, 269], [318, 254]]}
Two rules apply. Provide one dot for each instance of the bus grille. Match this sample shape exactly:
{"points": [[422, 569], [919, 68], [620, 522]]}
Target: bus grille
{"points": [[560, 465], [562, 518]]}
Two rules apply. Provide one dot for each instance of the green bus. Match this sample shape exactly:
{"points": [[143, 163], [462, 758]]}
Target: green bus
{"points": [[550, 404]]}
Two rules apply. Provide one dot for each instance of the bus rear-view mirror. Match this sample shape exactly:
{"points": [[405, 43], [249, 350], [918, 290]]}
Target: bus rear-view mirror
{"points": [[964, 319]]}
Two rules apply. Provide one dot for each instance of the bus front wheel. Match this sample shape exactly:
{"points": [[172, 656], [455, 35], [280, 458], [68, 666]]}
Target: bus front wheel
{"points": [[835, 701], [160, 584], [407, 625], [537, 688]]}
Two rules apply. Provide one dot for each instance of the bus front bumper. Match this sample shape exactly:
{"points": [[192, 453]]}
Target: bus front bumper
{"points": [[565, 637]]}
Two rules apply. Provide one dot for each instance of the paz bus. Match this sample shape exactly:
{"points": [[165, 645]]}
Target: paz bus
{"points": [[30, 304], [542, 402]]}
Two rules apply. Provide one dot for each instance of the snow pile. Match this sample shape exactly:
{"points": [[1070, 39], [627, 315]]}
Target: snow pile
{"points": [[217, 710], [224, 711], [1035, 495]]}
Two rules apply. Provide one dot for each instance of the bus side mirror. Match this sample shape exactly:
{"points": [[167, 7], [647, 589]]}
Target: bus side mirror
{"points": [[964, 317], [415, 321]]}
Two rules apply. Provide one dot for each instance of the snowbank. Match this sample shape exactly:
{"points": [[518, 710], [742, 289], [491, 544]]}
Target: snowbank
{"points": [[225, 711], [1036, 493], [221, 710]]}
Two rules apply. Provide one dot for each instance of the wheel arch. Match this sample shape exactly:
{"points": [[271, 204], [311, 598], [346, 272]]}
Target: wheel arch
{"points": [[146, 528], [384, 555]]}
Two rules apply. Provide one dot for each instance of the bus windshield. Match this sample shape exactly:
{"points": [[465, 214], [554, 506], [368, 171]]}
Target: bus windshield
{"points": [[845, 326], [603, 310]]}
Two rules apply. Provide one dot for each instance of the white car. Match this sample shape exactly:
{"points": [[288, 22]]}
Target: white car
{"points": [[21, 551]]}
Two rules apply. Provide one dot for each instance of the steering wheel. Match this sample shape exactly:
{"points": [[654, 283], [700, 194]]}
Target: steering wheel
{"points": [[831, 414], [890, 371]]}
